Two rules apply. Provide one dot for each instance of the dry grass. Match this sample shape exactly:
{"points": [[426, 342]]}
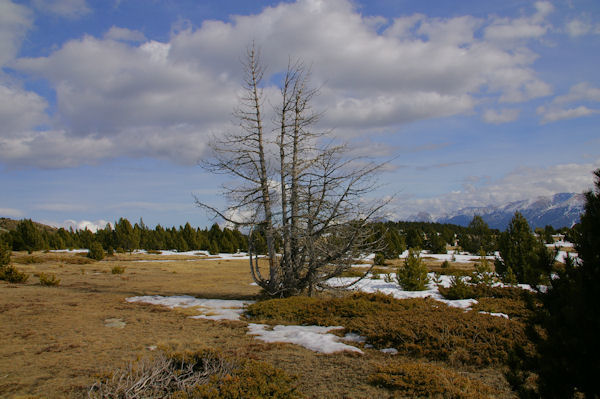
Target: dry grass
{"points": [[56, 342]]}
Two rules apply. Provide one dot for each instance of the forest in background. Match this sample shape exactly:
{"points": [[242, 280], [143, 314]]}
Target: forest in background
{"points": [[26, 235]]}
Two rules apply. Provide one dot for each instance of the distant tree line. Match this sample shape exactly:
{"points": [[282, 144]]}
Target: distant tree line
{"points": [[396, 237], [27, 236]]}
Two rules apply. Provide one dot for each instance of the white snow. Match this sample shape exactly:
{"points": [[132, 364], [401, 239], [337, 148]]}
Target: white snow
{"points": [[451, 256], [213, 309], [496, 314], [73, 251], [391, 351], [314, 338]]}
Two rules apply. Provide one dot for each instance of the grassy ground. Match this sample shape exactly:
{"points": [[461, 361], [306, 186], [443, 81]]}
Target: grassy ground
{"points": [[56, 341]]}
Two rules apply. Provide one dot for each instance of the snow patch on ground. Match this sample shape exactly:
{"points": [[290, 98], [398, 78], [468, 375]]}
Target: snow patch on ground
{"points": [[314, 338], [496, 314], [212, 309]]}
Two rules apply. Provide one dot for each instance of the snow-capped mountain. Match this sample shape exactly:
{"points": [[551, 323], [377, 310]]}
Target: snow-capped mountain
{"points": [[559, 210]]}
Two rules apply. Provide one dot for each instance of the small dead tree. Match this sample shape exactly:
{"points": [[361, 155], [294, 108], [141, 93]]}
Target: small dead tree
{"points": [[303, 192]]}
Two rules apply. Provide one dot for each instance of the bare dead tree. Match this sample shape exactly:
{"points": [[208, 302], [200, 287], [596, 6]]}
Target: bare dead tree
{"points": [[298, 188]]}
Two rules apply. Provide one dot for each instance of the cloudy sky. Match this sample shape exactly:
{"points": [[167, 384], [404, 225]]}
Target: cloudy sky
{"points": [[107, 106]]}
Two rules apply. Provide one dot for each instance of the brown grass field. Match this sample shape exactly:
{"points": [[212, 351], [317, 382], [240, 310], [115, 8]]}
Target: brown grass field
{"points": [[55, 341]]}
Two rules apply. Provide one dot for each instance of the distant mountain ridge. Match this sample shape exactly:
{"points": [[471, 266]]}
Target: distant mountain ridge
{"points": [[559, 210]]}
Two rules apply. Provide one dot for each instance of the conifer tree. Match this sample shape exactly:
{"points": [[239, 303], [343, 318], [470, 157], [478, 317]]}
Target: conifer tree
{"points": [[568, 350], [522, 253]]}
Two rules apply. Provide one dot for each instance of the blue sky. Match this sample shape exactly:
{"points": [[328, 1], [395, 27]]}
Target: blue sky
{"points": [[106, 107]]}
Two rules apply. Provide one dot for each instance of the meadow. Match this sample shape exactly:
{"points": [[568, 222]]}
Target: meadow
{"points": [[57, 341]]}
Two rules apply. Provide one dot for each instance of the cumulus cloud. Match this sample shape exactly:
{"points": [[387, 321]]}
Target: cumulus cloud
{"points": [[581, 27], [128, 35], [501, 116], [127, 96], [65, 8], [93, 226], [530, 27], [20, 110], [553, 115], [521, 183], [562, 107], [15, 21]]}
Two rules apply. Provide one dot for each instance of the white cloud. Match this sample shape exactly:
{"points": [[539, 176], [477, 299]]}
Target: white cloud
{"points": [[93, 226], [558, 109], [65, 8], [11, 213], [579, 92], [512, 29], [581, 27], [15, 21], [166, 99], [501, 116], [20, 110], [521, 183], [116, 33], [553, 115]]}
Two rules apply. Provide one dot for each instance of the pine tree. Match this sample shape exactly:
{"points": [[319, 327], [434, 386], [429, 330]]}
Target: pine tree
{"points": [[570, 355], [567, 357], [479, 236], [521, 252]]}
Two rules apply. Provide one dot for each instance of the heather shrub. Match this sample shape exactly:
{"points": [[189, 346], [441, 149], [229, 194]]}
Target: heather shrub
{"points": [[4, 254], [28, 260], [445, 264], [96, 251], [413, 275], [48, 280], [195, 375], [379, 259], [117, 270], [411, 379], [13, 275], [416, 327]]}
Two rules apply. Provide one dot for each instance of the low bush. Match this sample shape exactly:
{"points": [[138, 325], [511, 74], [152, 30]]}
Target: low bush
{"points": [[48, 280], [425, 380], [117, 270], [445, 264], [154, 252], [196, 375], [13, 275], [418, 327]]}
